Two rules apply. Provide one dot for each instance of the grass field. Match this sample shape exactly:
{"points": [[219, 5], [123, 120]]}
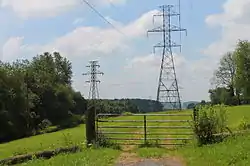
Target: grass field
{"points": [[93, 157], [215, 154], [234, 151]]}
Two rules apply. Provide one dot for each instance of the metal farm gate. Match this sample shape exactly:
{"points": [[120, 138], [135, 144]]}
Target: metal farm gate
{"points": [[139, 129]]}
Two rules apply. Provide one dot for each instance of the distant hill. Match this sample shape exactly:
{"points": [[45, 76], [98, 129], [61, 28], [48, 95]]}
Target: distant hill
{"points": [[183, 105]]}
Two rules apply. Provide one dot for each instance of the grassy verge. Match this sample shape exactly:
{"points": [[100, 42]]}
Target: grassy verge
{"points": [[50, 141], [93, 157], [233, 151]]}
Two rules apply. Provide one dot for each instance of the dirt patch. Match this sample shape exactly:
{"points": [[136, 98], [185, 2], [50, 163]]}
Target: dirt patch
{"points": [[129, 158], [170, 161], [173, 161]]}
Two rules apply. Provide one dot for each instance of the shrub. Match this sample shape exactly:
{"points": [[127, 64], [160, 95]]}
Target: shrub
{"points": [[243, 124], [127, 113], [105, 142], [211, 120], [72, 121], [44, 124]]}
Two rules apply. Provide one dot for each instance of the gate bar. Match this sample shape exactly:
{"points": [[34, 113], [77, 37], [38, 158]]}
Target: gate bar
{"points": [[143, 120], [159, 127], [114, 138], [145, 115], [148, 133]]}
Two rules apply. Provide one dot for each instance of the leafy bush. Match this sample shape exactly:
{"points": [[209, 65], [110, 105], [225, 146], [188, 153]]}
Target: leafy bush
{"points": [[105, 142], [211, 120], [127, 113], [44, 124], [72, 121], [243, 124], [50, 129]]}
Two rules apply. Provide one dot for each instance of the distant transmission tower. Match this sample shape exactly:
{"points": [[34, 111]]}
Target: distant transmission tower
{"points": [[93, 91], [168, 91]]}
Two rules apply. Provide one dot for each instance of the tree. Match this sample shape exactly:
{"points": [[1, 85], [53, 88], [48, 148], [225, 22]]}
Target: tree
{"points": [[222, 95], [242, 59], [191, 105], [225, 74], [37, 91]]}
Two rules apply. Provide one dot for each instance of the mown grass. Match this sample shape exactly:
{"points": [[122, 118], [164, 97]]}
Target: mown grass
{"points": [[74, 136], [236, 114], [93, 157], [233, 151]]}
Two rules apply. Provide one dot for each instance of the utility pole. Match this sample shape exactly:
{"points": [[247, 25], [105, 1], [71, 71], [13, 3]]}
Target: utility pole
{"points": [[91, 114], [93, 91], [168, 90]]}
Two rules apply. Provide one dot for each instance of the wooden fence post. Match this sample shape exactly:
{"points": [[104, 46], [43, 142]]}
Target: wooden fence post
{"points": [[195, 113], [145, 129], [90, 125]]}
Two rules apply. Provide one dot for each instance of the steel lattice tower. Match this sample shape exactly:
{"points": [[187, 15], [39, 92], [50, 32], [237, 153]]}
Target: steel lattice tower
{"points": [[168, 91], [93, 91]]}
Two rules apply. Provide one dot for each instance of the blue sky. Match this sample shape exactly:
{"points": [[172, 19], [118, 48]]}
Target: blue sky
{"points": [[79, 34]]}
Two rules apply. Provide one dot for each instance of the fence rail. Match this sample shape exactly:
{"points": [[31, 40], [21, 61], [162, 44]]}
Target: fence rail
{"points": [[144, 115], [143, 121], [144, 127], [149, 133], [159, 127]]}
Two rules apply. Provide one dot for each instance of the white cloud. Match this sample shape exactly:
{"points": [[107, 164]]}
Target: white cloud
{"points": [[140, 76], [12, 48], [234, 22], [85, 41], [48, 8]]}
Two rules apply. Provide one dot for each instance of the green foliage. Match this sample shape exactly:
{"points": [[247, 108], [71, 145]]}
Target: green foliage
{"points": [[222, 95], [67, 140], [119, 106], [226, 72], [104, 142], [244, 124], [211, 120], [72, 121], [232, 78], [232, 151], [37, 94], [191, 106], [126, 113], [242, 59]]}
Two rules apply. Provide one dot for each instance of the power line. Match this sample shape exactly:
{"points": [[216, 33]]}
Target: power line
{"points": [[125, 84], [100, 15]]}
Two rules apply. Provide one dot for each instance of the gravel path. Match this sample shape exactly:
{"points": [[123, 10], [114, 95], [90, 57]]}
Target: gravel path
{"points": [[152, 162]]}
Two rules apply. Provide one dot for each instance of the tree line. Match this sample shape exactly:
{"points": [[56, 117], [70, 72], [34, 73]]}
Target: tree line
{"points": [[232, 77], [37, 94]]}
